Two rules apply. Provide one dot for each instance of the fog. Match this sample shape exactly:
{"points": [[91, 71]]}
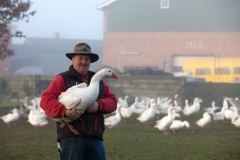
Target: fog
{"points": [[72, 19]]}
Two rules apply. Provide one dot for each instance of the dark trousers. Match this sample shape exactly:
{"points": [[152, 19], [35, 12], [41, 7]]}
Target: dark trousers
{"points": [[82, 148]]}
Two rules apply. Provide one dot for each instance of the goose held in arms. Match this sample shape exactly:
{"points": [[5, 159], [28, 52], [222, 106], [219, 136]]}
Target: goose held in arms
{"points": [[81, 96]]}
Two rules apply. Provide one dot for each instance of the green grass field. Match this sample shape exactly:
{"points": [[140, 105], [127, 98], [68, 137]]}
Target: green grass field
{"points": [[130, 140]]}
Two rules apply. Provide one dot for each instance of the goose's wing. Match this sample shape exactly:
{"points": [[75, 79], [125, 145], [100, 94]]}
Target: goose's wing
{"points": [[81, 85], [209, 110], [147, 115], [163, 120], [176, 124], [69, 100], [111, 124], [36, 120], [201, 121], [204, 121], [111, 118], [144, 114]]}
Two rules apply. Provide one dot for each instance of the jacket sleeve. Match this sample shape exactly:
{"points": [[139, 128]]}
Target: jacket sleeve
{"points": [[49, 99], [108, 104]]}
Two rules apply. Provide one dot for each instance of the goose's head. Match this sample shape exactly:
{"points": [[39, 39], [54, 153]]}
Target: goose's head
{"points": [[153, 103], [171, 108], [33, 101], [107, 73], [176, 96], [195, 100], [187, 124]]}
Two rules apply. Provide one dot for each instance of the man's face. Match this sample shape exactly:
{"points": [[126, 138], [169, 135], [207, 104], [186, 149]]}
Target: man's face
{"points": [[81, 63]]}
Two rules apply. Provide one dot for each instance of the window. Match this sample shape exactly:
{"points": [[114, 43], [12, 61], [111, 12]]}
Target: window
{"points": [[164, 4], [236, 70], [203, 71], [222, 70]]}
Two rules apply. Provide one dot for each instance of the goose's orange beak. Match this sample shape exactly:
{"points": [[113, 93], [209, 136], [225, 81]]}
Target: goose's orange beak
{"points": [[114, 75]]}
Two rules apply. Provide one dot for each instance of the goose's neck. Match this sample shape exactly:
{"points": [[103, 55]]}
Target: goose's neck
{"points": [[94, 81], [169, 112], [97, 77], [34, 106], [118, 111], [136, 99]]}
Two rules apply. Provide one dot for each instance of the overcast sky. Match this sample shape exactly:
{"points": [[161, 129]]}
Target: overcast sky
{"points": [[77, 19]]}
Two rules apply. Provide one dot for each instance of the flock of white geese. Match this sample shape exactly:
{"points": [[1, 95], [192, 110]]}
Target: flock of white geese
{"points": [[148, 108], [31, 113]]}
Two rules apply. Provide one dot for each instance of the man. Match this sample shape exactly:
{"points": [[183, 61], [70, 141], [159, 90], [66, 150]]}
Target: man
{"points": [[88, 144]]}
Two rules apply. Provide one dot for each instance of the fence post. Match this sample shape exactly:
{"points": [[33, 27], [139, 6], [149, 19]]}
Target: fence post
{"points": [[37, 85], [0, 92]]}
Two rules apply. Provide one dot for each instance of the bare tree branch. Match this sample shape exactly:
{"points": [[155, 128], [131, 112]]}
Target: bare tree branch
{"points": [[12, 11]]}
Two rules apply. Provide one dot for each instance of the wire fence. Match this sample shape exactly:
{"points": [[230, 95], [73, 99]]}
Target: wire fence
{"points": [[14, 90]]}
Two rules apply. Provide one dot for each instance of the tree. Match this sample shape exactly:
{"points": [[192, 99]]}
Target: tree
{"points": [[12, 11]]}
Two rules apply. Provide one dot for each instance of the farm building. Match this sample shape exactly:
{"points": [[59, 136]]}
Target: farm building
{"points": [[160, 34], [157, 34]]}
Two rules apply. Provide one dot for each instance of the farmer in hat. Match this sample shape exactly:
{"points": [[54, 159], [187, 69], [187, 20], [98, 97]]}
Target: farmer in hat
{"points": [[88, 144]]}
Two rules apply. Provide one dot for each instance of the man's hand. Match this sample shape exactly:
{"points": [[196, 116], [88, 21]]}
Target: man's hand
{"points": [[71, 114], [93, 108]]}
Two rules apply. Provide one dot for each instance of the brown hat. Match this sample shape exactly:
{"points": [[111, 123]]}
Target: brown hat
{"points": [[84, 49]]}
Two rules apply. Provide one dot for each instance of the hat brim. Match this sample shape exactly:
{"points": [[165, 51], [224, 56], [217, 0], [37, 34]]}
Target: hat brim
{"points": [[93, 57]]}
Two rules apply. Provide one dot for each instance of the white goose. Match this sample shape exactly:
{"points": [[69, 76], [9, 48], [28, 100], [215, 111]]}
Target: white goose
{"points": [[11, 117], [186, 104], [81, 96], [175, 100], [231, 114], [205, 120], [114, 120], [212, 108], [164, 123], [141, 106], [177, 107], [234, 102], [142, 103], [127, 112], [164, 105], [124, 102], [178, 124], [35, 118], [39, 108], [175, 114], [193, 109], [236, 122], [219, 116], [149, 113], [198, 105]]}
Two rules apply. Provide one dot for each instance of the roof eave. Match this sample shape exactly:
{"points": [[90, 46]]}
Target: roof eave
{"points": [[106, 4]]}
